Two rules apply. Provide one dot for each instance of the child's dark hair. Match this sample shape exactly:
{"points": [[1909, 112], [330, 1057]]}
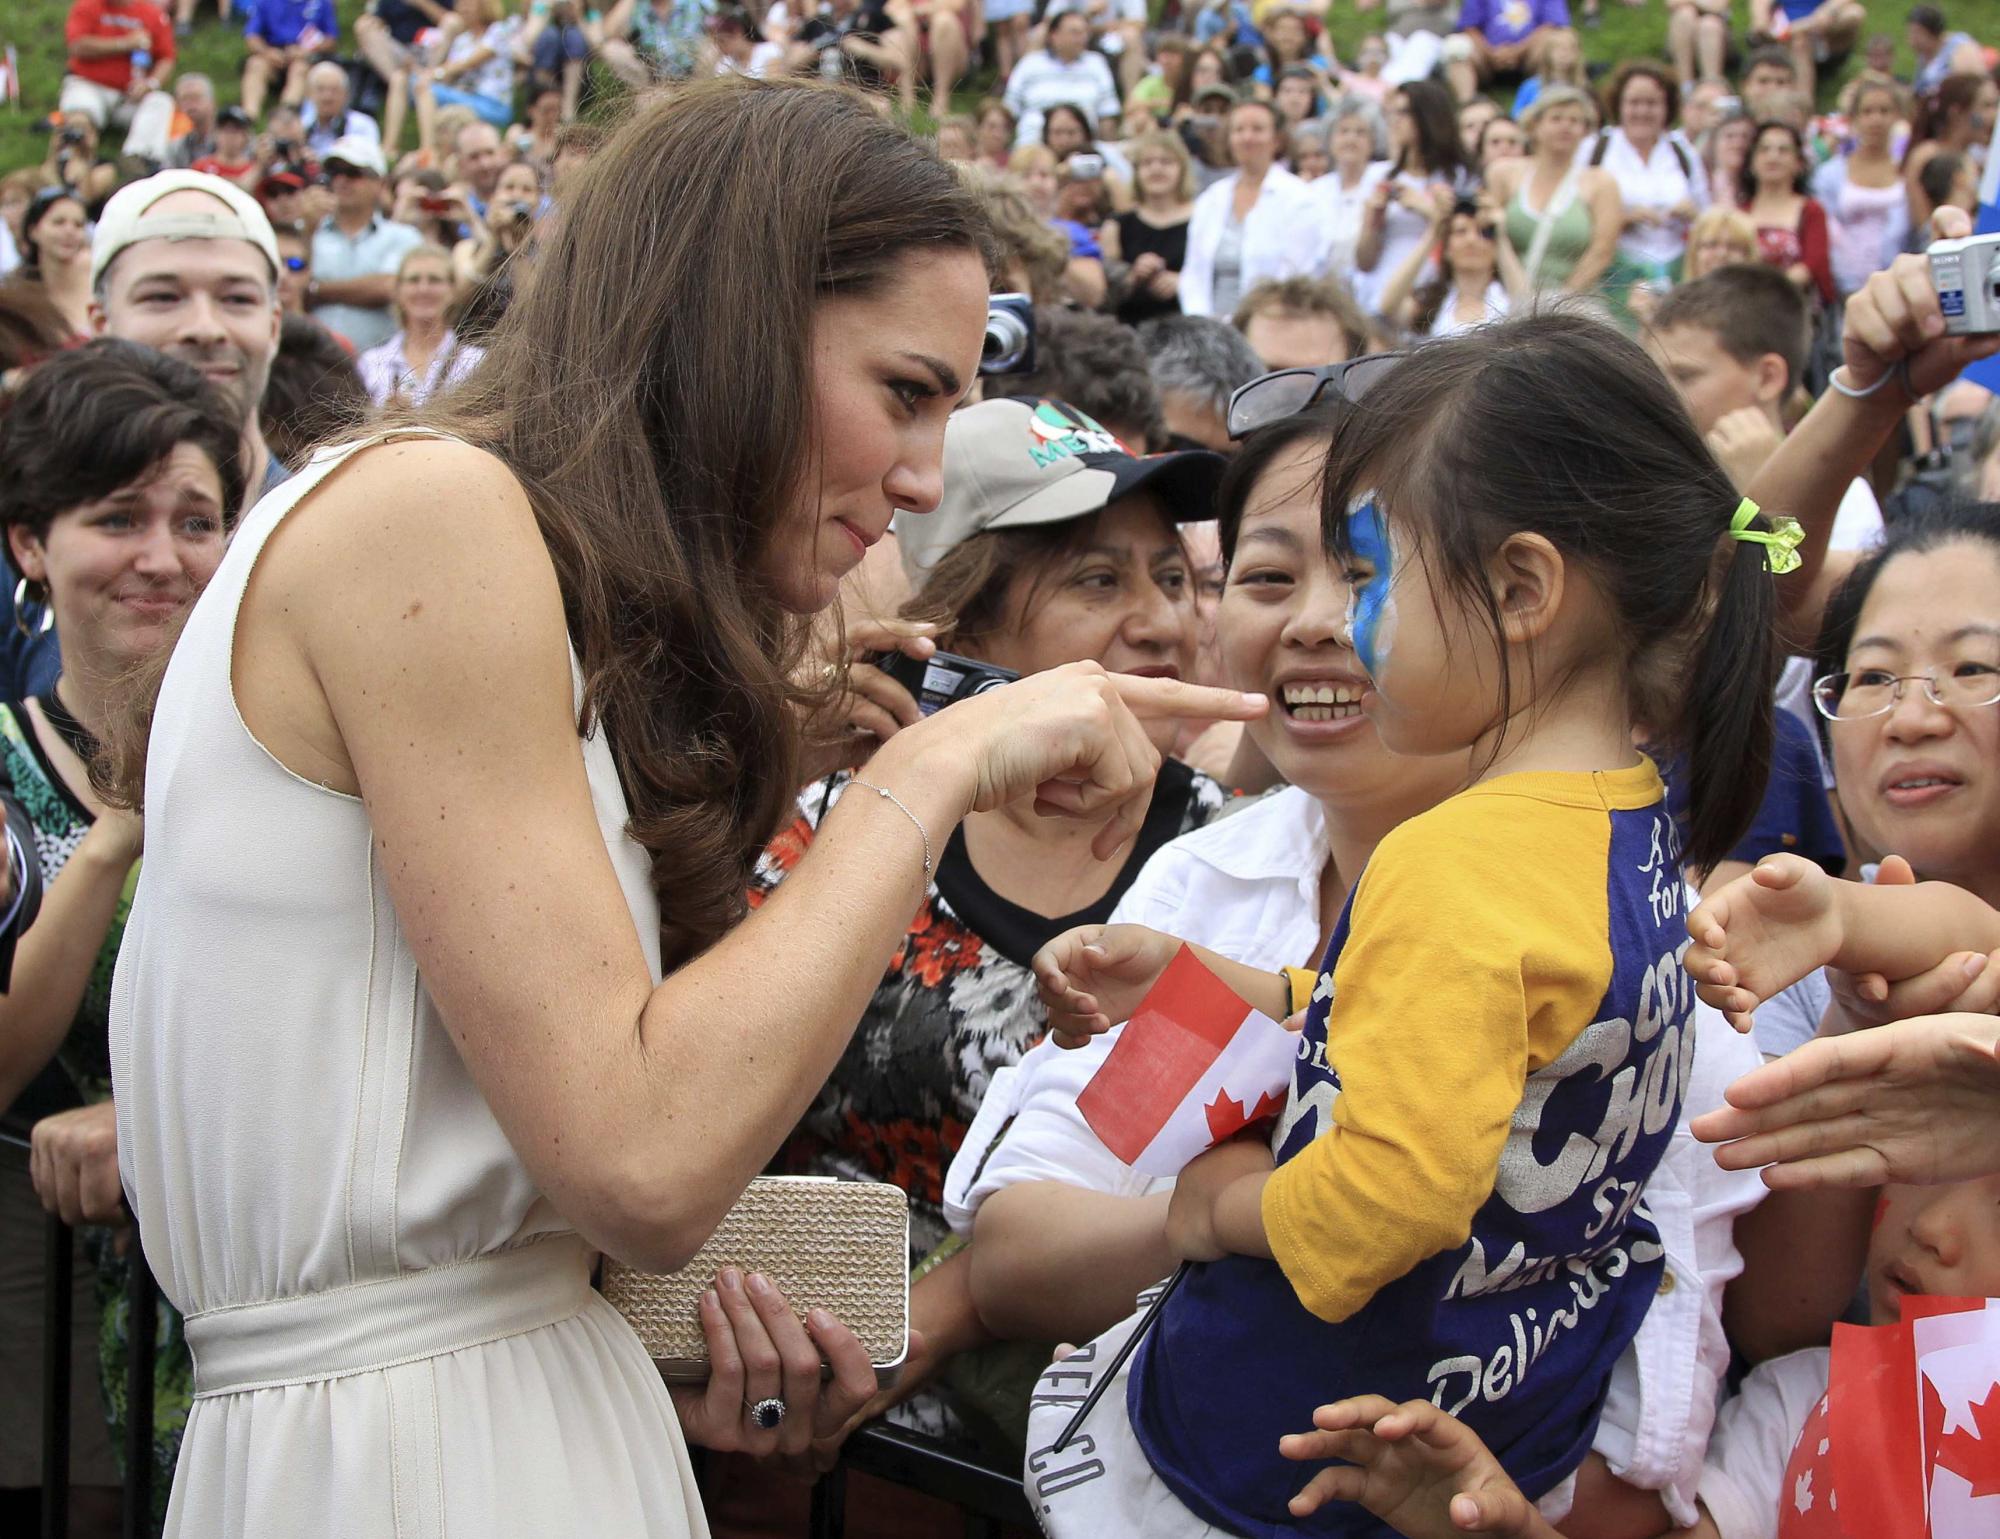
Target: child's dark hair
{"points": [[1260, 451], [1554, 424], [1750, 309], [1918, 533]]}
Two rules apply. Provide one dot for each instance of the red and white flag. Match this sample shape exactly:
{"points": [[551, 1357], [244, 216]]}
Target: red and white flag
{"points": [[1195, 1065], [1912, 1436]]}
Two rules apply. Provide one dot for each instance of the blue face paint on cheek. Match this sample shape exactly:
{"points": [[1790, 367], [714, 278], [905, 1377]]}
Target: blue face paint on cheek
{"points": [[1368, 609]]}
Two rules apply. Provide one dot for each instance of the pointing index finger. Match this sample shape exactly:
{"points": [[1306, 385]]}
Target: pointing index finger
{"points": [[1151, 699]]}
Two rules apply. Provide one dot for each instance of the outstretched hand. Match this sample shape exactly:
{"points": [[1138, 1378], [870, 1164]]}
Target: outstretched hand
{"points": [[1915, 1101], [1762, 933], [1424, 1473]]}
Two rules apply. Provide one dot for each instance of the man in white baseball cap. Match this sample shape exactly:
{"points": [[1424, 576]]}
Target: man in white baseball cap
{"points": [[187, 264], [355, 251]]}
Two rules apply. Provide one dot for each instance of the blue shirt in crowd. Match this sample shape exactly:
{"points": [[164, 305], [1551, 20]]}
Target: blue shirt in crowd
{"points": [[281, 22]]}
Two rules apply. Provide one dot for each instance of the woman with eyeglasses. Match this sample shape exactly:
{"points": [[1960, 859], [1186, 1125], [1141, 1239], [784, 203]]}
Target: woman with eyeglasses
{"points": [[425, 355], [1907, 683]]}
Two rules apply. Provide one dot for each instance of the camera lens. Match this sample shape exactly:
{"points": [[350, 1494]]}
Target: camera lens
{"points": [[1006, 343]]}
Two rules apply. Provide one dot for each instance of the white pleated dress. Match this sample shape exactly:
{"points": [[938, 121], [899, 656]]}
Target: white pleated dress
{"points": [[393, 1331]]}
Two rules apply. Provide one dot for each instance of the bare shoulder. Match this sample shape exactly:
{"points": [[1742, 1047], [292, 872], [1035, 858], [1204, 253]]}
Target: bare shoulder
{"points": [[413, 583], [431, 518]]}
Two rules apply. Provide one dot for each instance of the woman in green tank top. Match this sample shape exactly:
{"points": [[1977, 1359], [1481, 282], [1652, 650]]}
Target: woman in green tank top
{"points": [[1561, 218]]}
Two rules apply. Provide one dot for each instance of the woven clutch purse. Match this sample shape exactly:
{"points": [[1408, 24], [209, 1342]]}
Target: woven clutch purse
{"points": [[841, 1246]]}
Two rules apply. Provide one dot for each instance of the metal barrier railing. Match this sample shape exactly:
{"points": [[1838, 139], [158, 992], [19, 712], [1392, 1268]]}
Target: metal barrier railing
{"points": [[990, 1499], [142, 1299]]}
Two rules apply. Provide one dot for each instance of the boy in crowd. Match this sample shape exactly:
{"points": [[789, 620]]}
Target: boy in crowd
{"points": [[1734, 344], [231, 157]]}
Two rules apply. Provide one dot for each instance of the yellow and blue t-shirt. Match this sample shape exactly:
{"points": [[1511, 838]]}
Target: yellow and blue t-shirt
{"points": [[1491, 1070]]}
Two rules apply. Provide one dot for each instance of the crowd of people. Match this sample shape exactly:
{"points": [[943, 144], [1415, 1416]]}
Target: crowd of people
{"points": [[1458, 530]]}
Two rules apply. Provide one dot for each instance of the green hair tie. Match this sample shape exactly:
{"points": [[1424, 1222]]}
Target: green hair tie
{"points": [[1781, 541]]}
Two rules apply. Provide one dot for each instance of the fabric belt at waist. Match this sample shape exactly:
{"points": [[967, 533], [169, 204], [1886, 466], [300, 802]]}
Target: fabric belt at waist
{"points": [[370, 1326]]}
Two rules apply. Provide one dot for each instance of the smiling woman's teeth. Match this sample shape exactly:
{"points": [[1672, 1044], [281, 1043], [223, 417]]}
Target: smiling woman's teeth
{"points": [[1322, 702]]}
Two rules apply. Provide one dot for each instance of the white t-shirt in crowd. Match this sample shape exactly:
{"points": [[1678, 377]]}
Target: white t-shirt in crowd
{"points": [[1403, 230], [494, 78], [1247, 886], [1345, 208], [1041, 81], [1448, 323], [758, 67]]}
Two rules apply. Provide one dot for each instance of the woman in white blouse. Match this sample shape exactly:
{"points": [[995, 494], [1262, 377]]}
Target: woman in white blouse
{"points": [[425, 355], [1660, 179], [1258, 222], [1343, 192]]}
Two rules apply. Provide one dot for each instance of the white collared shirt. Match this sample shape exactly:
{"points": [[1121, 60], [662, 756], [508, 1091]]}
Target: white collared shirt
{"points": [[1247, 886], [1284, 236]]}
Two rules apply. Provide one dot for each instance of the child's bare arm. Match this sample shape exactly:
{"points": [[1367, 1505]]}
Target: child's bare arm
{"points": [[1787, 918]]}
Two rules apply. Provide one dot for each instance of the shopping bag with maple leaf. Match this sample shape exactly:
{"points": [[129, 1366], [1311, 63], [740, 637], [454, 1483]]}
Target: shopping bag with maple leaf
{"points": [[1194, 1066], [1912, 1434]]}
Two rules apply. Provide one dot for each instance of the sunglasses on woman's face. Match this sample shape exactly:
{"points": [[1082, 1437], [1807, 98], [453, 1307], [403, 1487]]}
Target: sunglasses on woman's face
{"points": [[295, 264], [1287, 392]]}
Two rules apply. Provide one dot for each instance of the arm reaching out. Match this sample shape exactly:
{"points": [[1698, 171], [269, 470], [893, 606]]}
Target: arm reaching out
{"points": [[1763, 932]]}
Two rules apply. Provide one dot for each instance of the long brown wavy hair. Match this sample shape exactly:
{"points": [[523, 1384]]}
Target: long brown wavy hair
{"points": [[651, 388]]}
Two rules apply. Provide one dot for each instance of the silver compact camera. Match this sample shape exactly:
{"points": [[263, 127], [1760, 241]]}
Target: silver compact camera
{"points": [[1966, 274]]}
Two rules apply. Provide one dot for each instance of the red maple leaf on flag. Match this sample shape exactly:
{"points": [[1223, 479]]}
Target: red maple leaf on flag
{"points": [[1975, 1455], [1226, 1118]]}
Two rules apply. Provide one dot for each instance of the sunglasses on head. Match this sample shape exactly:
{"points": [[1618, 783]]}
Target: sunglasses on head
{"points": [[1287, 392]]}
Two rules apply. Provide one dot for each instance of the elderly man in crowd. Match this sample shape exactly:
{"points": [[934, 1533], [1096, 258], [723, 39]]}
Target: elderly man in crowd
{"points": [[481, 159], [326, 116], [355, 250], [194, 99], [187, 264]]}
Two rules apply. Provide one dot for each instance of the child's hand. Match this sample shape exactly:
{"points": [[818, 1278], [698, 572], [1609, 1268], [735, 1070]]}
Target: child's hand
{"points": [[1093, 977], [1422, 1472], [1762, 933], [1194, 1230]]}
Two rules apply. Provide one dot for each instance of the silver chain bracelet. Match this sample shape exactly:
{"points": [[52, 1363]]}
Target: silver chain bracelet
{"points": [[897, 802]]}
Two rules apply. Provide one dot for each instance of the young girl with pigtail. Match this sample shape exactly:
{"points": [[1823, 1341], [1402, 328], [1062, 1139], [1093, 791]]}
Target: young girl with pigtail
{"points": [[1549, 566]]}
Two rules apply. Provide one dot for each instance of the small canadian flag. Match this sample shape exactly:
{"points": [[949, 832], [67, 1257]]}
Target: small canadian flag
{"points": [[1912, 1435], [1195, 1065]]}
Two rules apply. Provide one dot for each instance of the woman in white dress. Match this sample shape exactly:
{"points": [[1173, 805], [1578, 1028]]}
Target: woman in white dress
{"points": [[473, 738]]}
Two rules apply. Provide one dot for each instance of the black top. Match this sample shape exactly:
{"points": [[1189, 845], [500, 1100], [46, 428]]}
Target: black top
{"points": [[1135, 236], [1018, 933]]}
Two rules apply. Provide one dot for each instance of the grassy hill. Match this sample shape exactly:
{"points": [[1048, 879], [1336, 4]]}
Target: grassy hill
{"points": [[35, 28]]}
